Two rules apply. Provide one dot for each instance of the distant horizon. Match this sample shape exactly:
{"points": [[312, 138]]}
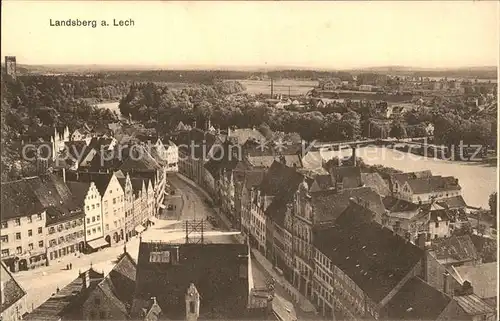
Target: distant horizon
{"points": [[252, 67]]}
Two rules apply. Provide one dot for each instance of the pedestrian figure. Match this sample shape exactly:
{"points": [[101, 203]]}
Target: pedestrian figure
{"points": [[71, 266], [67, 266]]}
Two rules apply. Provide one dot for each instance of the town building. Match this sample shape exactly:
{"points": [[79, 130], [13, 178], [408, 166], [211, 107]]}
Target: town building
{"points": [[13, 304], [360, 266], [112, 200], [198, 282], [246, 181], [481, 277], [126, 184], [30, 207], [87, 196]]}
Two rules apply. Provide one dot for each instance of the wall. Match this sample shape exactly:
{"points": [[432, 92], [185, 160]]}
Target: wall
{"points": [[93, 214], [113, 212], [98, 303], [65, 238], [34, 223]]}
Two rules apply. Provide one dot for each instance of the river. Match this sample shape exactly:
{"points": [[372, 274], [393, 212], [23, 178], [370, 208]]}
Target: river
{"points": [[478, 181]]}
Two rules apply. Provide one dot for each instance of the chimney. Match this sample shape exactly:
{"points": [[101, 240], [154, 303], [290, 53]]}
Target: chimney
{"points": [[446, 276], [86, 279]]}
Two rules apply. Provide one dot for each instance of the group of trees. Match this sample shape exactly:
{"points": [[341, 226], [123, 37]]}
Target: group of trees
{"points": [[31, 102]]}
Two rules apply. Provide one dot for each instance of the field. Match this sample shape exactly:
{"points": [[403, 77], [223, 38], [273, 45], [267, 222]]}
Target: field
{"points": [[284, 86]]}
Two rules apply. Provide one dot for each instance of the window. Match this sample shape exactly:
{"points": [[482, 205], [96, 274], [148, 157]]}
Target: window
{"points": [[87, 207], [437, 224], [40, 230], [5, 252], [30, 232], [40, 244], [30, 246], [114, 200], [19, 250], [5, 239], [93, 219], [4, 224], [18, 236], [30, 219], [192, 307], [52, 230], [93, 206], [98, 218], [17, 222], [88, 232], [88, 220], [93, 230], [39, 217]]}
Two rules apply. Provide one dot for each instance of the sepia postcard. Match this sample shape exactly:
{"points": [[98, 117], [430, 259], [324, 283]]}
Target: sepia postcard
{"points": [[249, 160]]}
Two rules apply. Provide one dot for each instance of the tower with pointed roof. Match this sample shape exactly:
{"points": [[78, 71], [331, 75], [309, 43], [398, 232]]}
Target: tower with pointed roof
{"points": [[192, 303]]}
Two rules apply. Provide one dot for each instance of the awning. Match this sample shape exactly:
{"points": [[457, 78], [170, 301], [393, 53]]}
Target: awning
{"points": [[139, 228], [162, 206], [153, 219], [96, 244]]}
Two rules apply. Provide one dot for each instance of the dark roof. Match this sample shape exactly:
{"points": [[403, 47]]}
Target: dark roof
{"points": [[373, 256], [455, 248], [417, 300], [137, 184], [375, 181], [12, 291], [453, 202], [324, 182], [280, 178], [213, 268], [68, 301], [433, 184], [200, 140], [101, 180], [119, 284], [79, 191], [75, 148], [329, 204], [474, 305], [139, 159], [393, 204], [33, 195], [223, 158], [401, 178]]}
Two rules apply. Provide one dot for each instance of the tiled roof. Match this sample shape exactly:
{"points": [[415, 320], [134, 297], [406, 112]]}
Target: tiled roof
{"points": [[401, 178], [455, 248], [12, 291], [483, 278], [139, 159], [33, 195], [101, 180], [67, 303], [375, 181], [79, 191], [373, 256], [280, 178], [75, 148], [474, 305], [417, 300], [453, 202], [323, 182], [397, 205], [244, 134], [213, 268], [433, 184], [329, 204], [119, 284]]}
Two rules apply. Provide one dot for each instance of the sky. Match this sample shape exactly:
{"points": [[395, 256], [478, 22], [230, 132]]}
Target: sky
{"points": [[326, 34]]}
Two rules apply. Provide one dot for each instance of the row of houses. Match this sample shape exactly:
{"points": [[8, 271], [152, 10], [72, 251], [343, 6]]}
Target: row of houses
{"points": [[295, 216], [89, 197]]}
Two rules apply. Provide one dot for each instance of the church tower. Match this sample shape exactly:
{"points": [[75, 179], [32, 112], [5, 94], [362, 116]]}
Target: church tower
{"points": [[192, 303]]}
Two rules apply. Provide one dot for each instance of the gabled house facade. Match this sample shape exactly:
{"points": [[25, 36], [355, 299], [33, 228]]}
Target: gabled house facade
{"points": [[13, 301]]}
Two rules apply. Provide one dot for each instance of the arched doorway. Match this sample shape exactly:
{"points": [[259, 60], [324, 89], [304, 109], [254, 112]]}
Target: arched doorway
{"points": [[116, 237], [121, 234], [23, 265], [108, 239]]}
